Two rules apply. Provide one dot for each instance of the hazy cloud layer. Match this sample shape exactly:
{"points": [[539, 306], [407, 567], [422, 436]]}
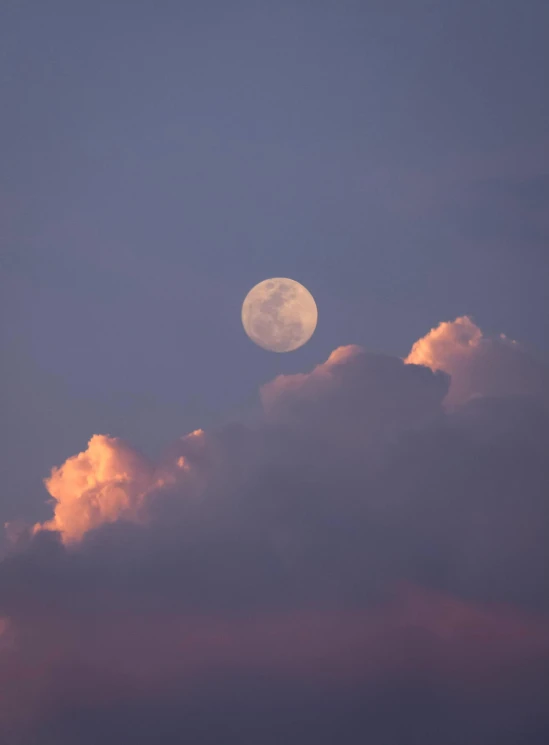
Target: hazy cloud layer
{"points": [[366, 560]]}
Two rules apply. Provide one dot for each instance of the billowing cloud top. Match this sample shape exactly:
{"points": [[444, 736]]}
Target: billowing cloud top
{"points": [[107, 482], [366, 561], [479, 365]]}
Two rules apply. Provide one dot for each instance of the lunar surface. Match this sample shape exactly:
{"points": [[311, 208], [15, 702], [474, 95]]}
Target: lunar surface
{"points": [[279, 314]]}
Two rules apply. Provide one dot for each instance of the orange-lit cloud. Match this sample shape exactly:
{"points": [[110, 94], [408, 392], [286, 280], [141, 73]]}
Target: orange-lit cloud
{"points": [[479, 365], [104, 483], [110, 481], [445, 343]]}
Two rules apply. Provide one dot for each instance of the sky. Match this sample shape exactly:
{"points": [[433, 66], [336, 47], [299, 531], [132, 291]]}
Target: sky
{"points": [[343, 544]]}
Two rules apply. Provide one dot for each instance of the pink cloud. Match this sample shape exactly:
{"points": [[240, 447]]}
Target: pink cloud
{"points": [[479, 365]]}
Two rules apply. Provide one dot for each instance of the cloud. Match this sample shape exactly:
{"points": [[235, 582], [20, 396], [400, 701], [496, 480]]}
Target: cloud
{"points": [[480, 365], [110, 481], [243, 677], [356, 396], [364, 560], [105, 483]]}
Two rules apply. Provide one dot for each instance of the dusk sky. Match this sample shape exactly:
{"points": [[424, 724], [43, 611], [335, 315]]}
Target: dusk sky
{"points": [[347, 544]]}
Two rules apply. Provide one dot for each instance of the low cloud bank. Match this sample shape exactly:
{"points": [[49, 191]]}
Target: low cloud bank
{"points": [[366, 561]]}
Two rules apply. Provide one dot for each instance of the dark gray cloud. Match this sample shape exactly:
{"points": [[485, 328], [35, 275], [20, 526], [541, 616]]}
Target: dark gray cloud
{"points": [[356, 564]]}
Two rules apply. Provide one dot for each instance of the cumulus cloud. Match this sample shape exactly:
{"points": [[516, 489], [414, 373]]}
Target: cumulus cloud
{"points": [[378, 534], [480, 365], [356, 397], [110, 481], [106, 482]]}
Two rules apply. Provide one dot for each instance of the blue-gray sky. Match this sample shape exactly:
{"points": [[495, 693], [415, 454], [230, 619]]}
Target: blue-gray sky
{"points": [[159, 158]]}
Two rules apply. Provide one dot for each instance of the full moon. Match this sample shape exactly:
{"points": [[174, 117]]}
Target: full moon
{"points": [[279, 314]]}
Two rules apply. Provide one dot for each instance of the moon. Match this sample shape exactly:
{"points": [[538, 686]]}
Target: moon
{"points": [[279, 314]]}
